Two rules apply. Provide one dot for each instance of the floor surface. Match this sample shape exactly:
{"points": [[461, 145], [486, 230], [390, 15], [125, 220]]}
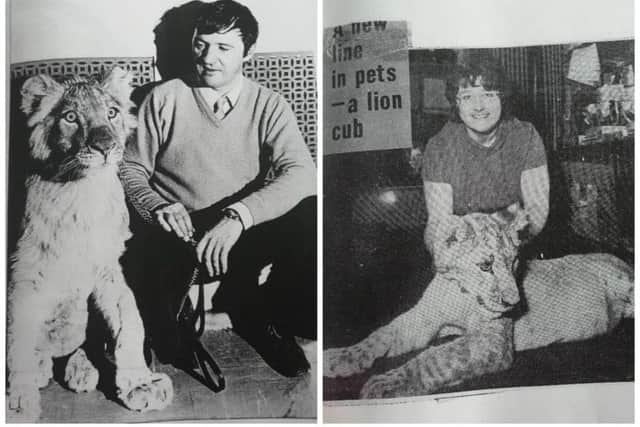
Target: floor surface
{"points": [[253, 391]]}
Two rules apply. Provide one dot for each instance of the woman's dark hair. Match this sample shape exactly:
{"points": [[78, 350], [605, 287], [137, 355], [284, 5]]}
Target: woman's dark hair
{"points": [[225, 15], [480, 69]]}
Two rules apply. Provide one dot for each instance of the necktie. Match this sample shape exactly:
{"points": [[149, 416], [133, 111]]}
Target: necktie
{"points": [[221, 107]]}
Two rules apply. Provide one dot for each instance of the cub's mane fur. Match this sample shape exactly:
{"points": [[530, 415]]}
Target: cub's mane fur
{"points": [[45, 103]]}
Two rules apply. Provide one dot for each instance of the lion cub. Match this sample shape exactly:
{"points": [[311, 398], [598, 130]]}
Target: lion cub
{"points": [[72, 236]]}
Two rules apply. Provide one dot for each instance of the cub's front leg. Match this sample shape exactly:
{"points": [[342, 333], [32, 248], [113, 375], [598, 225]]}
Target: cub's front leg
{"points": [[481, 351], [410, 331], [26, 370], [424, 374], [347, 361], [137, 387]]}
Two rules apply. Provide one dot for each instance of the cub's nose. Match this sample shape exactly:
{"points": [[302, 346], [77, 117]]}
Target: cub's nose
{"points": [[510, 297], [100, 139]]}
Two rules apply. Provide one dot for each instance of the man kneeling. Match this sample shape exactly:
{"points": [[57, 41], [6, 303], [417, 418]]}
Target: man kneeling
{"points": [[220, 175]]}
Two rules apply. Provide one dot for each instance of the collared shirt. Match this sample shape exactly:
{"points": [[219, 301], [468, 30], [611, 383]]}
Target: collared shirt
{"points": [[213, 96], [214, 99]]}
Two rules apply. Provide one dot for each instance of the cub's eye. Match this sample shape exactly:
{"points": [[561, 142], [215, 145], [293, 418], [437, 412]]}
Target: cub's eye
{"points": [[112, 113], [70, 116], [486, 265]]}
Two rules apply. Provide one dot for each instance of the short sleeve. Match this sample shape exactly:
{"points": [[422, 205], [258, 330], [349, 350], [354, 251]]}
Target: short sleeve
{"points": [[432, 162], [536, 155]]}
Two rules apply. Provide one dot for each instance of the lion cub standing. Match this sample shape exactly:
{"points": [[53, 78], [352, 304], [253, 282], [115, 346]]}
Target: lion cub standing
{"points": [[72, 236]]}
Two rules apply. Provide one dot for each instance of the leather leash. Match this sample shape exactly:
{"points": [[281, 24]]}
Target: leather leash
{"points": [[194, 329]]}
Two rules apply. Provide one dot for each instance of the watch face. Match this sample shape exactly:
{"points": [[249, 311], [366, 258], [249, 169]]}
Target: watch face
{"points": [[232, 214]]}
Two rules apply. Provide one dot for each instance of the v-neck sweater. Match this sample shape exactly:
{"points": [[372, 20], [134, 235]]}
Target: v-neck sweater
{"points": [[184, 153]]}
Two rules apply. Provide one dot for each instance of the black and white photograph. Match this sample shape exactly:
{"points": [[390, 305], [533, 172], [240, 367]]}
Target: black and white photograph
{"points": [[162, 211], [478, 216], [319, 211]]}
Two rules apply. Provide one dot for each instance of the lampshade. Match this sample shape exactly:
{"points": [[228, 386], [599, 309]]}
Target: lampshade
{"points": [[584, 66]]}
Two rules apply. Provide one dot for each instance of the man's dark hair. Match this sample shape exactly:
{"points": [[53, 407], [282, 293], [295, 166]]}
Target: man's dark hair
{"points": [[225, 15], [480, 69]]}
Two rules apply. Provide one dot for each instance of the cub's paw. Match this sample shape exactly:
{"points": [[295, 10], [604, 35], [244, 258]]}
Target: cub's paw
{"points": [[23, 405], [385, 385], [151, 392], [344, 362], [80, 374], [45, 371], [337, 363]]}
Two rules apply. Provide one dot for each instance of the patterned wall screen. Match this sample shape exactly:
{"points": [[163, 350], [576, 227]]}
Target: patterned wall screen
{"points": [[141, 68], [291, 74]]}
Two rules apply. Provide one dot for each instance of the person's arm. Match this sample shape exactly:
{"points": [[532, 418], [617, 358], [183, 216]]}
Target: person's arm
{"points": [[139, 159], [534, 184], [294, 179], [438, 196], [439, 200], [137, 168], [294, 171]]}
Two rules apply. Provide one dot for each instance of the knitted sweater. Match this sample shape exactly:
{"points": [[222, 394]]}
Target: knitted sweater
{"points": [[183, 153]]}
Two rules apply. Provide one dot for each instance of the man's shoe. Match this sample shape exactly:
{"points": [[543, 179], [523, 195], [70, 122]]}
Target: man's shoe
{"points": [[280, 352]]}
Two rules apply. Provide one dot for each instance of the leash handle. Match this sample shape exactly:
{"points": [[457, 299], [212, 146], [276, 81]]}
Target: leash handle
{"points": [[208, 366]]}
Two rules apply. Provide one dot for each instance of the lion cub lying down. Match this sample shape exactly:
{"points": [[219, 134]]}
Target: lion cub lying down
{"points": [[72, 235]]}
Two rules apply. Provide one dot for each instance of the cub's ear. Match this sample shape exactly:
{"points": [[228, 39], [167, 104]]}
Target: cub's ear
{"points": [[521, 220], [40, 94], [117, 82], [449, 243], [506, 216], [458, 230], [520, 227]]}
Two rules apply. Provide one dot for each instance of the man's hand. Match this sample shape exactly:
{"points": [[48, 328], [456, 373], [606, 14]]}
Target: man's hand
{"points": [[214, 247], [175, 218]]}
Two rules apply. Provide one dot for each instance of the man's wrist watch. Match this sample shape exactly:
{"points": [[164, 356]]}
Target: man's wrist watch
{"points": [[234, 215]]}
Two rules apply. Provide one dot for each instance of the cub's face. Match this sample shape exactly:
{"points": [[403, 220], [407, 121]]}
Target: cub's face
{"points": [[485, 259], [619, 277], [79, 125]]}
